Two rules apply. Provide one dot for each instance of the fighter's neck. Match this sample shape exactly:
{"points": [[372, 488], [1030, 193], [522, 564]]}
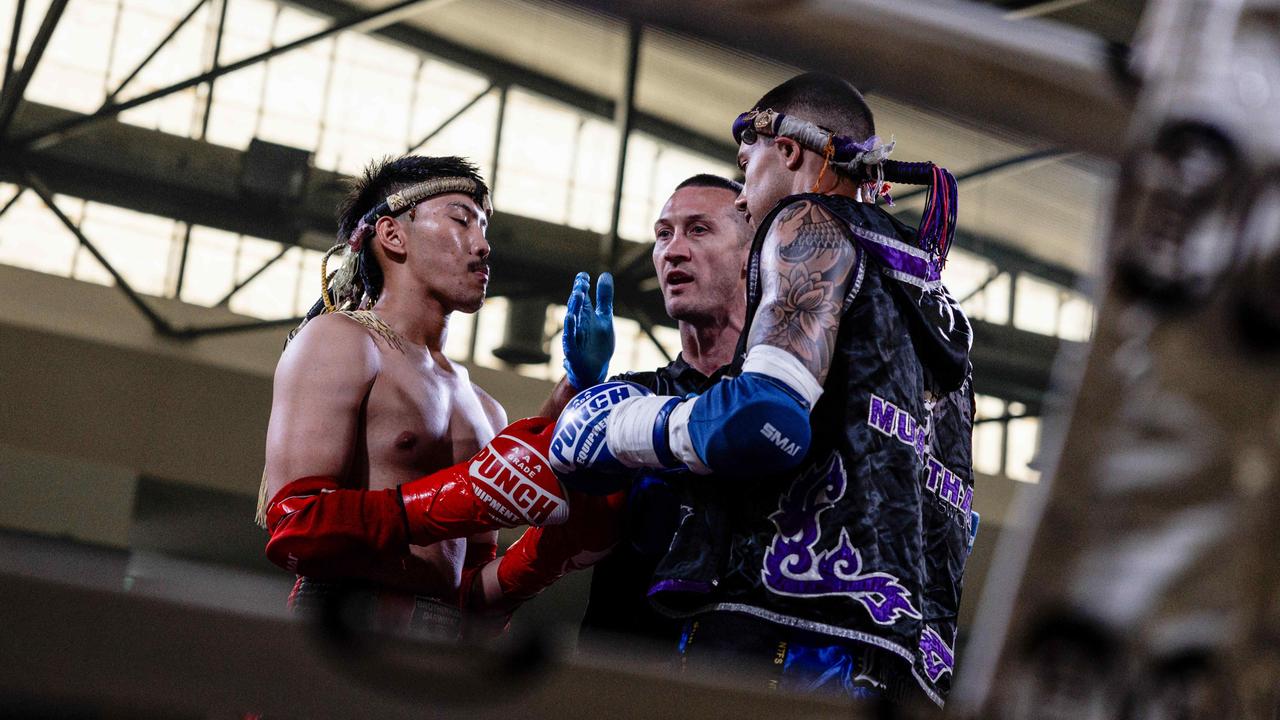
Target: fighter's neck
{"points": [[828, 183], [420, 321], [709, 347]]}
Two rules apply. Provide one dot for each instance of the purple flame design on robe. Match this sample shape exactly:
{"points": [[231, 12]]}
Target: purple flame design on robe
{"points": [[935, 654], [792, 567]]}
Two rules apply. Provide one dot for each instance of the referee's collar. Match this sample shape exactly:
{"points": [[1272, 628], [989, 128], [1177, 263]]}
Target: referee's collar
{"points": [[680, 369]]}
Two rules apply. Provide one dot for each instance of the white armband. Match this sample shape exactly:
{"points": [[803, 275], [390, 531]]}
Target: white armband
{"points": [[786, 369], [681, 443]]}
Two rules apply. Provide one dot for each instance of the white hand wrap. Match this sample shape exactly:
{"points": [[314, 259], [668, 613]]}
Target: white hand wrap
{"points": [[681, 444], [630, 433]]}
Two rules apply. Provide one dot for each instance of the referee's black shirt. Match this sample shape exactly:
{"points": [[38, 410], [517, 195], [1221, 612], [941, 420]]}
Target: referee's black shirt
{"points": [[618, 603]]}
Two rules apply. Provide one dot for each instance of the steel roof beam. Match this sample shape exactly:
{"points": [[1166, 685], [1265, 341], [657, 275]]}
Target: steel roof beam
{"points": [[366, 22], [502, 72], [16, 85], [1034, 78]]}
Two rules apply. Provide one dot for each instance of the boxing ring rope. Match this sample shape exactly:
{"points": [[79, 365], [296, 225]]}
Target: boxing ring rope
{"points": [[161, 657]]}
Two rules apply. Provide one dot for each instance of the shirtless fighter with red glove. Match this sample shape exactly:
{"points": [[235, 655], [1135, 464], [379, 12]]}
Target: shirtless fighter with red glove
{"points": [[386, 470]]}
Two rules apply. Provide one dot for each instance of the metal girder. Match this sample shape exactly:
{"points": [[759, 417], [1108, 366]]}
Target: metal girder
{"points": [[17, 85], [12, 54], [503, 73], [990, 278], [624, 110], [284, 250], [161, 325], [217, 58], [453, 116], [177, 177], [164, 42], [366, 22], [497, 138], [193, 333], [1041, 8], [1033, 78], [1010, 258], [1004, 256], [1013, 364], [12, 201], [993, 167], [645, 321]]}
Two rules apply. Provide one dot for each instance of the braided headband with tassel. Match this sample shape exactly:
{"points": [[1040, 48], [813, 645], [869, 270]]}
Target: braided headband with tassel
{"points": [[866, 161], [341, 279], [397, 203]]}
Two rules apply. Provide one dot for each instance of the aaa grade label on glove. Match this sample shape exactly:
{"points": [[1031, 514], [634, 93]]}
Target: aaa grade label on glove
{"points": [[506, 474]]}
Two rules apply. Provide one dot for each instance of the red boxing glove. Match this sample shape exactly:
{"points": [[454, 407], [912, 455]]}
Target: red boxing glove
{"points": [[321, 530], [543, 555], [509, 482], [478, 555]]}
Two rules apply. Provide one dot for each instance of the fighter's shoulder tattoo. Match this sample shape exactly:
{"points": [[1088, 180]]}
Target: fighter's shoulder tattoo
{"points": [[808, 264], [808, 229]]}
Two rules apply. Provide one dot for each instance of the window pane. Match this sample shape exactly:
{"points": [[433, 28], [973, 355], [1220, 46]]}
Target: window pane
{"points": [[458, 342], [593, 176], [440, 92], [137, 245], [992, 304], [988, 437], [470, 136], [648, 356], [211, 265], [964, 274], [491, 321], [293, 96], [1024, 442], [369, 102], [237, 97], [72, 72], [636, 219], [1036, 305], [537, 156], [1076, 322], [308, 288], [32, 237], [273, 293]]}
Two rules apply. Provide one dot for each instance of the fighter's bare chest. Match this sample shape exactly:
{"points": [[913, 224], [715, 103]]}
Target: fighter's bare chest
{"points": [[421, 419]]}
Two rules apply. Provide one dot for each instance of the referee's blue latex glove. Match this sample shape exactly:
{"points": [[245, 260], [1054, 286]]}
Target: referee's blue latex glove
{"points": [[588, 332]]}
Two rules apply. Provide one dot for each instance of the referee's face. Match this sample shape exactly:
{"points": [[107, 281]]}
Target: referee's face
{"points": [[699, 253]]}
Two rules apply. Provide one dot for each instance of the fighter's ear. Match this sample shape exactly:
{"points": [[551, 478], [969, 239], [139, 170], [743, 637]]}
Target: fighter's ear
{"points": [[792, 153], [388, 233]]}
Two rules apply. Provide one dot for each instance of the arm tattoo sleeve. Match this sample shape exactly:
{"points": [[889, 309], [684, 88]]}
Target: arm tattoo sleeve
{"points": [[806, 266]]}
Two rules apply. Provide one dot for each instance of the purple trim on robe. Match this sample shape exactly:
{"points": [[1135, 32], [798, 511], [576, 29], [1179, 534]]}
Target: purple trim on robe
{"points": [[690, 586]]}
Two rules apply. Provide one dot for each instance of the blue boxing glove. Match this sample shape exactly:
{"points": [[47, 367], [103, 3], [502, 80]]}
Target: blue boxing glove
{"points": [[752, 425], [588, 332], [579, 451], [756, 424]]}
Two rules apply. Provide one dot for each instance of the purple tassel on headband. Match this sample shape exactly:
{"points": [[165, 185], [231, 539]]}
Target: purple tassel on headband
{"points": [[938, 221]]}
